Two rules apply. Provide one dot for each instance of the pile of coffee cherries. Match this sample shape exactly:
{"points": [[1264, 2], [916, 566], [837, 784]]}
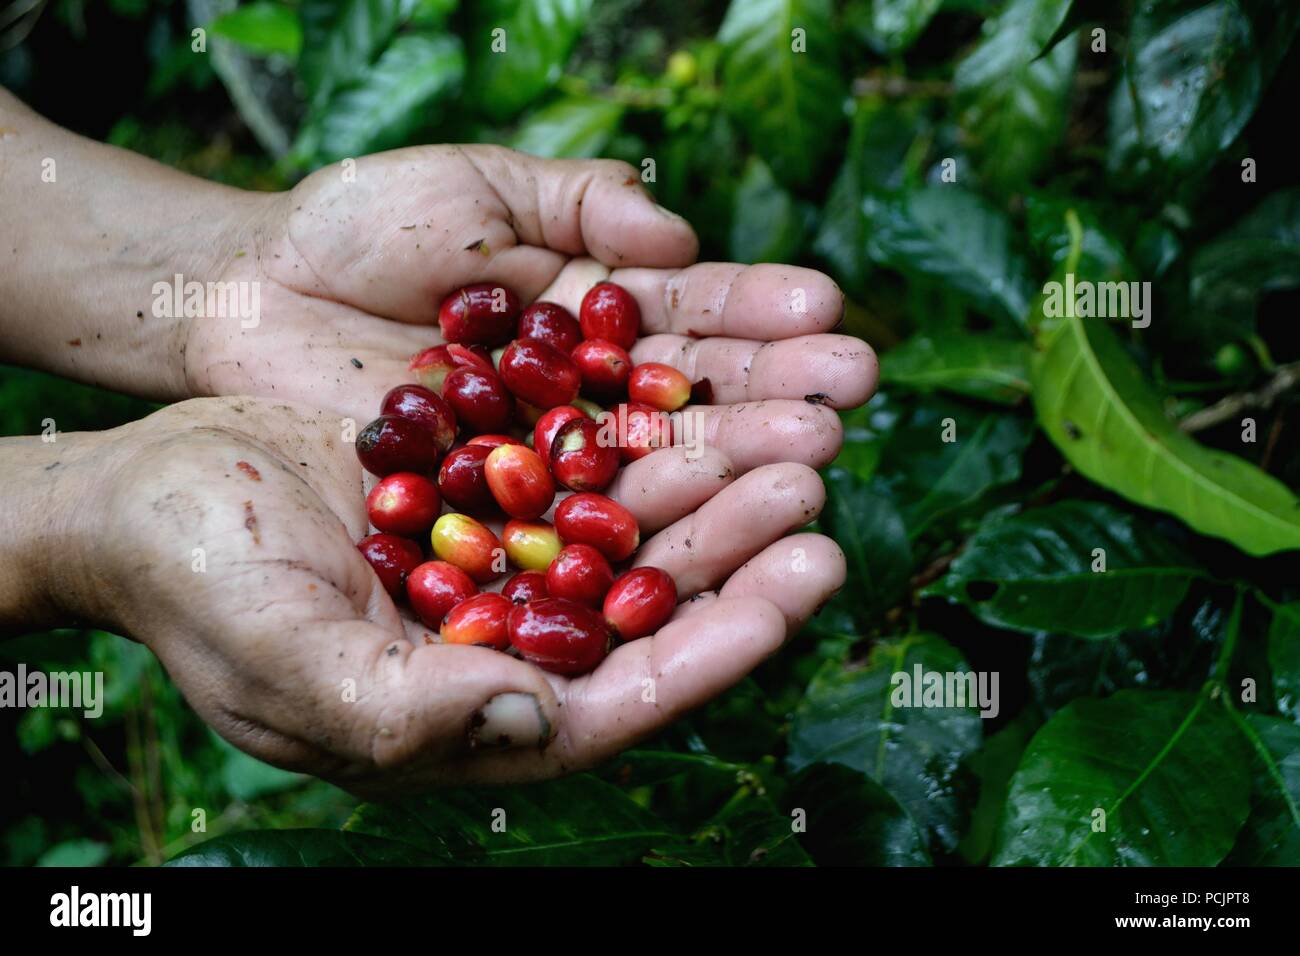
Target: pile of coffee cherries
{"points": [[506, 385]]}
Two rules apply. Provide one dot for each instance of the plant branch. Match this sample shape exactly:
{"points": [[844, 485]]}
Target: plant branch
{"points": [[1283, 379]]}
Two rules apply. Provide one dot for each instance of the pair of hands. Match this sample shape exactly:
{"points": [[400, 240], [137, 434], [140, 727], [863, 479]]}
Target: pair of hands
{"points": [[283, 639]]}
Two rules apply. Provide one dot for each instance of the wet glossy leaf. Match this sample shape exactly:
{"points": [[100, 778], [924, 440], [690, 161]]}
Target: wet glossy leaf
{"points": [[399, 94], [1010, 41], [768, 224], [304, 848], [934, 480], [782, 81], [1164, 771], [1038, 571], [1284, 658], [573, 128], [978, 365], [518, 49], [914, 752], [1191, 83], [869, 528], [1094, 403], [1014, 122], [954, 237], [572, 821], [850, 820], [1271, 835]]}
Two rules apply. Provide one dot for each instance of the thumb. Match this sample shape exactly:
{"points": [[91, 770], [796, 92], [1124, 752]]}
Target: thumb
{"points": [[415, 707]]}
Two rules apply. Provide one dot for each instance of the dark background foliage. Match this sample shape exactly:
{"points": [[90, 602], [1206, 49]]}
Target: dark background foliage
{"points": [[942, 159]]}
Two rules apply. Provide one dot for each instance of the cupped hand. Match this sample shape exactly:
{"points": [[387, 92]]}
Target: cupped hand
{"points": [[352, 264], [226, 541]]}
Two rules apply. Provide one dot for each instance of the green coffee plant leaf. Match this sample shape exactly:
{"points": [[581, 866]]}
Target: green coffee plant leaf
{"points": [[894, 25], [1271, 835], [1284, 658], [867, 525], [518, 49], [915, 752], [1101, 254], [304, 848], [75, 853], [262, 28], [573, 821], [1075, 567], [768, 224], [850, 820], [573, 128], [1191, 81], [1258, 254], [342, 39], [994, 764], [782, 81], [1163, 772], [942, 459], [956, 238], [984, 366], [876, 159], [1098, 409], [749, 830], [1014, 121], [1011, 40], [399, 94]]}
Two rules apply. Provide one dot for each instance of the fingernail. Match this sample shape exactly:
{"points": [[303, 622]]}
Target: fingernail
{"points": [[668, 212], [509, 720]]}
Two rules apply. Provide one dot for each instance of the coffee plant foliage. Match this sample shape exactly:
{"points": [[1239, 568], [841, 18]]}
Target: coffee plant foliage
{"points": [[1100, 509]]}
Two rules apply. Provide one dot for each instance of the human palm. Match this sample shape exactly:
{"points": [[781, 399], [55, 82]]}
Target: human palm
{"points": [[227, 545]]}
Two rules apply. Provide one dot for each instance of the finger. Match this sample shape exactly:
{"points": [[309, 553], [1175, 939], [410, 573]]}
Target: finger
{"points": [[668, 485], [762, 302], [798, 574], [685, 664], [584, 207], [703, 548], [572, 282], [837, 370], [759, 433]]}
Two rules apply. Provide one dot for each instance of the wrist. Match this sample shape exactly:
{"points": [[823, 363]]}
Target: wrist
{"points": [[98, 234], [53, 493]]}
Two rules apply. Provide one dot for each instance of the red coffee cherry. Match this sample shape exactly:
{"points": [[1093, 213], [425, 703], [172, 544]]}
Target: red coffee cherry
{"points": [[434, 588], [480, 399], [463, 480], [601, 522], [531, 545], [423, 407], [642, 430], [550, 423], [390, 444], [519, 481], [404, 503], [579, 460], [640, 602], [610, 312], [469, 545], [604, 367], [525, 586], [558, 635], [579, 573], [480, 620], [393, 559], [480, 314], [539, 374], [551, 323], [659, 386]]}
